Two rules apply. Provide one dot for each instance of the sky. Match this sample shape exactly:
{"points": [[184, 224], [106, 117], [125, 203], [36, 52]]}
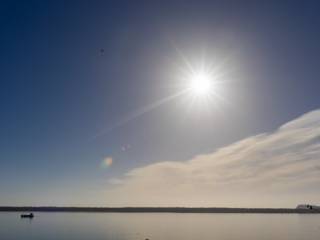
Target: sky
{"points": [[95, 112]]}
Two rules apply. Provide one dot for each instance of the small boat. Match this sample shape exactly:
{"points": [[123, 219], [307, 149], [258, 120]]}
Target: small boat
{"points": [[30, 215]]}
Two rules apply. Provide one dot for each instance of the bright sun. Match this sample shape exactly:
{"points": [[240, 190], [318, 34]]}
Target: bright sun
{"points": [[201, 84]]}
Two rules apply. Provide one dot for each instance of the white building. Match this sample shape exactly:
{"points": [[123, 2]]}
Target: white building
{"points": [[308, 206]]}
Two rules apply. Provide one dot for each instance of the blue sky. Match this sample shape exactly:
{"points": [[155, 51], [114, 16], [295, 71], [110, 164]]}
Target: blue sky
{"points": [[59, 95]]}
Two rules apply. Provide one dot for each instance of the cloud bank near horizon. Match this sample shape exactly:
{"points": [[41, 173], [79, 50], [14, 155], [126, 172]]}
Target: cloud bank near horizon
{"points": [[275, 169]]}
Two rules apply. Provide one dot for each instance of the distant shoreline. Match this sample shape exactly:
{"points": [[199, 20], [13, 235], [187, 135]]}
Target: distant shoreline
{"points": [[158, 210]]}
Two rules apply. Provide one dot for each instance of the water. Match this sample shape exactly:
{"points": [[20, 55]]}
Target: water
{"points": [[159, 226]]}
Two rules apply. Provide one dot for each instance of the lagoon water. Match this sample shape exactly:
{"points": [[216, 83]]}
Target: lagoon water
{"points": [[159, 226]]}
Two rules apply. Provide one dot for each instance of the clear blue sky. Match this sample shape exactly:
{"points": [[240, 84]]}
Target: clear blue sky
{"points": [[58, 92]]}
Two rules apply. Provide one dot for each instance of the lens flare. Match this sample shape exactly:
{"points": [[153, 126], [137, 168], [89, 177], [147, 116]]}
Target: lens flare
{"points": [[107, 162]]}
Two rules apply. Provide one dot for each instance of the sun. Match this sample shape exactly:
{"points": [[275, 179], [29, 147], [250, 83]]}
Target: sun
{"points": [[201, 84]]}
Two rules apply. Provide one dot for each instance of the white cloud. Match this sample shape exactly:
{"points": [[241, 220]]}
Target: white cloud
{"points": [[276, 169]]}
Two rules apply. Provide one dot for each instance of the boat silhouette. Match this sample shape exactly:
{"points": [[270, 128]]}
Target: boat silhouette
{"points": [[30, 215]]}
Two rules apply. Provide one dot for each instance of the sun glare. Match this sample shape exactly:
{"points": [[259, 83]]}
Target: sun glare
{"points": [[201, 84]]}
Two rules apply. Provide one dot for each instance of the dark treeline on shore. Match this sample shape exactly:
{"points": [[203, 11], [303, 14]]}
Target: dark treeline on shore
{"points": [[155, 210]]}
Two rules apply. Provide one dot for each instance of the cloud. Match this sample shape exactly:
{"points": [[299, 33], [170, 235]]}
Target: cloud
{"points": [[279, 169]]}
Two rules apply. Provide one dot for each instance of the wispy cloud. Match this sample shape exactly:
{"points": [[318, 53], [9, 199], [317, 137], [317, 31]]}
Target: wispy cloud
{"points": [[281, 168]]}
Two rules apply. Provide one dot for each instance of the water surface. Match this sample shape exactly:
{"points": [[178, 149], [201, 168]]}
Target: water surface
{"points": [[160, 226]]}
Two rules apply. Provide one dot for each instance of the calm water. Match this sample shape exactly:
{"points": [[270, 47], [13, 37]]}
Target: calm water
{"points": [[156, 226]]}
